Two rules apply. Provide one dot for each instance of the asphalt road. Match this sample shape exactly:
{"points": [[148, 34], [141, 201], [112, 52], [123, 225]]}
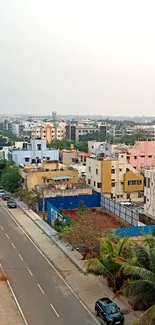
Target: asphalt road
{"points": [[44, 297]]}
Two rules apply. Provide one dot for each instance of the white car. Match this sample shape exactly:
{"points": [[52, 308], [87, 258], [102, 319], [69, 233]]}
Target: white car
{"points": [[2, 193]]}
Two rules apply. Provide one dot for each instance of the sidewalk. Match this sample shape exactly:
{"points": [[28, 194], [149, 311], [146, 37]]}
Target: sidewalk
{"points": [[9, 314], [89, 288]]}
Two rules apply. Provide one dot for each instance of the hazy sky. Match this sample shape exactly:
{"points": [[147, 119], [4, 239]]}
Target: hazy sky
{"points": [[85, 56]]}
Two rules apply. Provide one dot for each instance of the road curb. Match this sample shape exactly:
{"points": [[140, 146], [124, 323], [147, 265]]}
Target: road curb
{"points": [[55, 242]]}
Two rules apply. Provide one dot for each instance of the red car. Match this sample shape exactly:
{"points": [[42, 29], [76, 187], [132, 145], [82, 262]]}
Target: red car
{"points": [[6, 197]]}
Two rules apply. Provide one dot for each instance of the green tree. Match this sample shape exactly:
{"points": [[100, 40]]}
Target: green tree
{"points": [[30, 197], [82, 146], [98, 136], [106, 265], [140, 270], [65, 144], [148, 318], [11, 179], [4, 164], [82, 208]]}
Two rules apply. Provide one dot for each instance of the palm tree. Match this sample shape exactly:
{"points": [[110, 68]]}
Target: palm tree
{"points": [[148, 318], [140, 270], [110, 248]]}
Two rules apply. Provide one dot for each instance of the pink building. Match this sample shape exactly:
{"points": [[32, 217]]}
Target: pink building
{"points": [[142, 154]]}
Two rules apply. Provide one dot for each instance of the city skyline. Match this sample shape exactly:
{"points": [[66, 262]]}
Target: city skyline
{"points": [[94, 58]]}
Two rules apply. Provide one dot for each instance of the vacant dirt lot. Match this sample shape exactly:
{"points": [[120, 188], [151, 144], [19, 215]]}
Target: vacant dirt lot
{"points": [[97, 218], [88, 228]]}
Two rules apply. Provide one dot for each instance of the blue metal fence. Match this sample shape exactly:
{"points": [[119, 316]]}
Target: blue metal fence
{"points": [[71, 202], [53, 213], [134, 231]]}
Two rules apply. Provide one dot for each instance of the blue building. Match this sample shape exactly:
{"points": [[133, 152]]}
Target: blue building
{"points": [[33, 152]]}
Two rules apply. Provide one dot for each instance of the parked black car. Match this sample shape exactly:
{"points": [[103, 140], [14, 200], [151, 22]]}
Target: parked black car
{"points": [[11, 203], [109, 312]]}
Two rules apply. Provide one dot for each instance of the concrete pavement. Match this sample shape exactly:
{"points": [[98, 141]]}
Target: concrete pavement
{"points": [[9, 314], [45, 298]]}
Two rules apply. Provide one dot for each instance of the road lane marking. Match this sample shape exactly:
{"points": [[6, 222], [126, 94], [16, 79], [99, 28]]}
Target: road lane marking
{"points": [[2, 228], [29, 271], [15, 298], [7, 236], [13, 245], [40, 288], [20, 257], [52, 266], [54, 310]]}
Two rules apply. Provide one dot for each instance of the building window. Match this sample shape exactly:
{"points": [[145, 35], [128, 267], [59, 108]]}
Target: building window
{"points": [[99, 185], [113, 171], [94, 183], [120, 169], [92, 147], [142, 156], [128, 196], [79, 131], [27, 159], [96, 171], [89, 169], [148, 182], [135, 157], [112, 184], [150, 156], [38, 146], [139, 182], [122, 156], [135, 182], [144, 199], [112, 196], [89, 181]]}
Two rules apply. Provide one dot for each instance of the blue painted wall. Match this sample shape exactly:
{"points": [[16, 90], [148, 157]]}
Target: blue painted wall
{"points": [[71, 202]]}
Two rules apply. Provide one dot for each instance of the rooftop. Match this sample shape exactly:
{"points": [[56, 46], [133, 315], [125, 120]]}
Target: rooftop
{"points": [[71, 187]]}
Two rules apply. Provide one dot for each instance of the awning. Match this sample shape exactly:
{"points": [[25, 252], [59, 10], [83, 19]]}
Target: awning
{"points": [[59, 178]]}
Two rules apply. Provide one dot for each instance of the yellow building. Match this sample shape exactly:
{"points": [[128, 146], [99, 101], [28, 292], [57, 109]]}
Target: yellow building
{"points": [[115, 177], [48, 173]]}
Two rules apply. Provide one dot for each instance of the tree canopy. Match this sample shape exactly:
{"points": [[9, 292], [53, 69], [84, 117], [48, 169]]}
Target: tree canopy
{"points": [[65, 144], [10, 178]]}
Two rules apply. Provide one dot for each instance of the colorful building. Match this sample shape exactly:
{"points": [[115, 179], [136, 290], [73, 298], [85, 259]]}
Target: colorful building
{"points": [[115, 177]]}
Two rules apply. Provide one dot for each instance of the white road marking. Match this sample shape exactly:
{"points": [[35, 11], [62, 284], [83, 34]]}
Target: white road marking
{"points": [[52, 266], [40, 288], [29, 271], [54, 310], [15, 298], [7, 236], [20, 257], [13, 245], [2, 228]]}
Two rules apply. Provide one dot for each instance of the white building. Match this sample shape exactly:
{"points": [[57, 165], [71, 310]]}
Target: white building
{"points": [[81, 168], [149, 192], [94, 146], [35, 152]]}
